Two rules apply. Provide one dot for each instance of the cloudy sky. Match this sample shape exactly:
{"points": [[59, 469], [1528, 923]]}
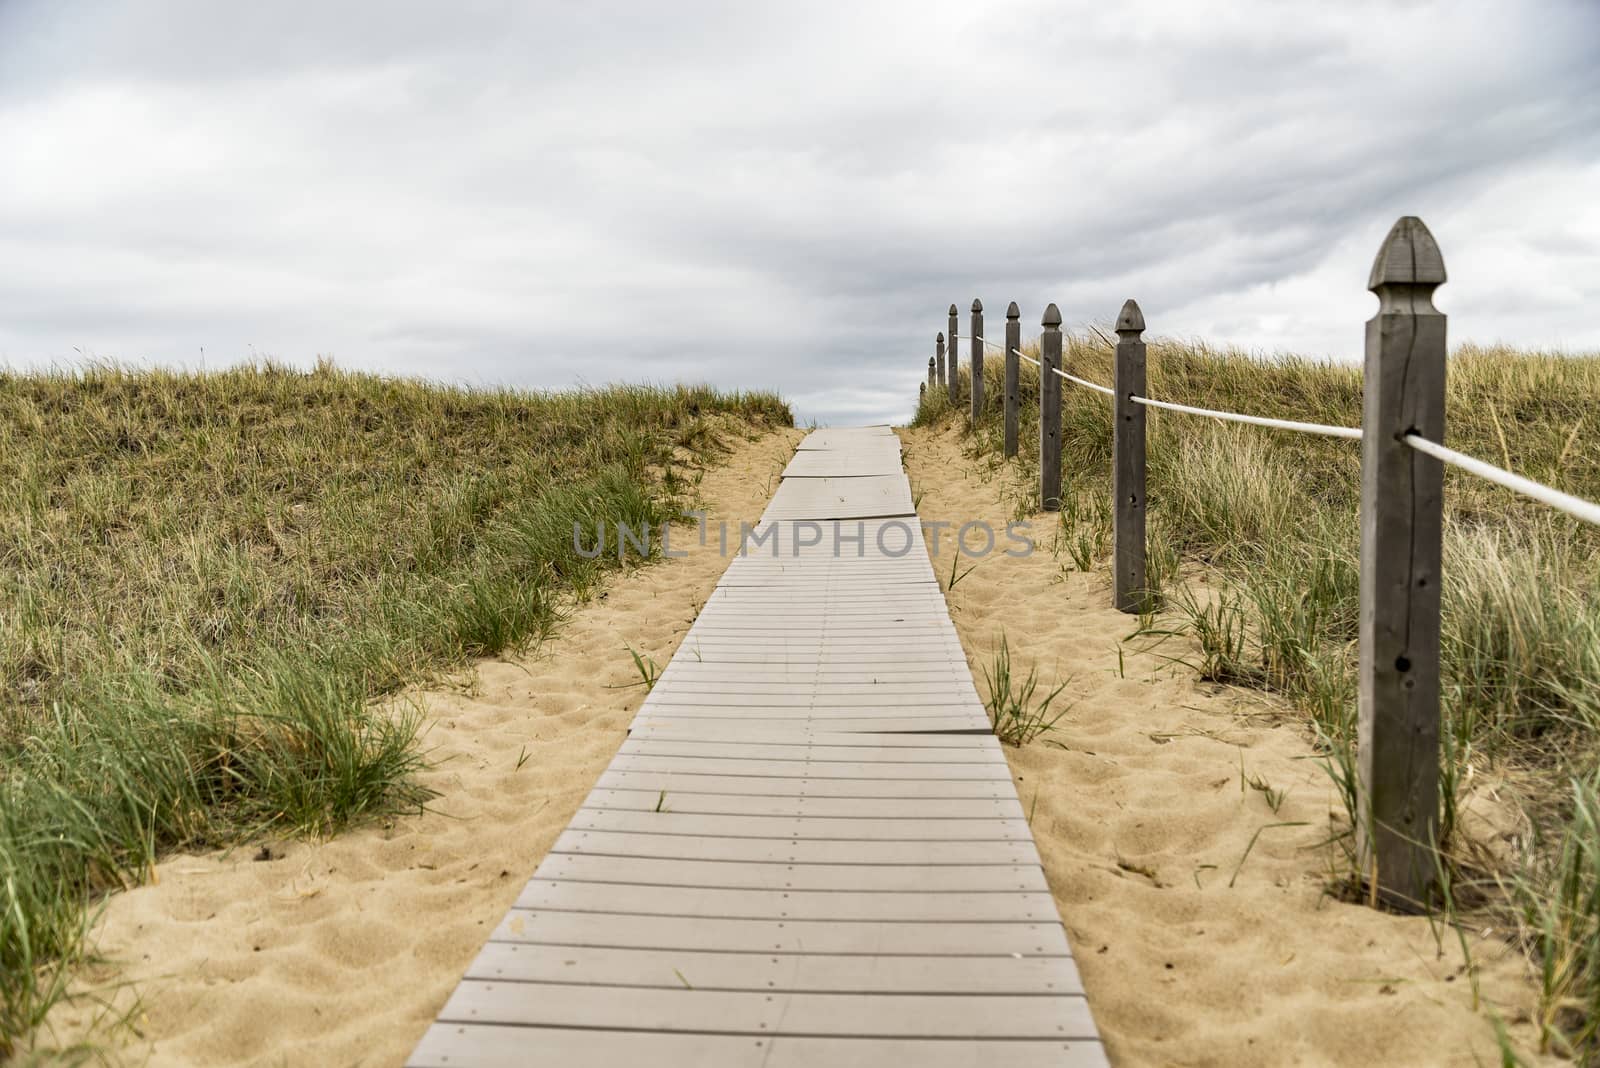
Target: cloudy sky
{"points": [[776, 195]]}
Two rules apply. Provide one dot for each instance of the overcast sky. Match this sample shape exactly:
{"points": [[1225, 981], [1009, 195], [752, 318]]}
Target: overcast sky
{"points": [[776, 195]]}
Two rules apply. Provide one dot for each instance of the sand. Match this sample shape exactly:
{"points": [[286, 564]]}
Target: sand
{"points": [[1141, 821], [341, 952]]}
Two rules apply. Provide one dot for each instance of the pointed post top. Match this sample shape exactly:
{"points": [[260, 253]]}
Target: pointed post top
{"points": [[953, 309], [1131, 319], [930, 361], [1410, 258], [1013, 312], [940, 337], [977, 305], [1052, 317]]}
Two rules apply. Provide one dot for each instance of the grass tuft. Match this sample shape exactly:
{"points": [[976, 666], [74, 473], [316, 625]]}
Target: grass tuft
{"points": [[1016, 716]]}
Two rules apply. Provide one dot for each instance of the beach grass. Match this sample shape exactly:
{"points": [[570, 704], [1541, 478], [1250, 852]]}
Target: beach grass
{"points": [[208, 580], [1269, 519]]}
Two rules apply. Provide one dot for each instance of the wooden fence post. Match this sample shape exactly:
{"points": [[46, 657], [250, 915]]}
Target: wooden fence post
{"points": [[1127, 467], [938, 356], [1401, 531], [1013, 343], [1050, 411], [976, 362], [955, 386], [930, 371]]}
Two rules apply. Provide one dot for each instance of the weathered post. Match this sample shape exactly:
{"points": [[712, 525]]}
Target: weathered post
{"points": [[976, 361], [1050, 411], [930, 372], [922, 393], [955, 387], [1013, 343], [1127, 464], [1401, 530], [938, 356]]}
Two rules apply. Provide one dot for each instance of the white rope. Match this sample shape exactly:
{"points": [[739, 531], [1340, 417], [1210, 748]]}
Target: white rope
{"points": [[968, 337], [1351, 432], [1587, 511], [1063, 374], [1083, 382]]}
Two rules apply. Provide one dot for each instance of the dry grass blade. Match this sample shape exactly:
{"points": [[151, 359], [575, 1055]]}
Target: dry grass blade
{"points": [[1014, 713]]}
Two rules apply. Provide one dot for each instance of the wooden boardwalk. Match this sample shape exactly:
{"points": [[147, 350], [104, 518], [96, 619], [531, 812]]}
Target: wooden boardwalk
{"points": [[809, 850]]}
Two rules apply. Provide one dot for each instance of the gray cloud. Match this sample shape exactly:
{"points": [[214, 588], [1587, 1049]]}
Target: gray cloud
{"points": [[757, 196]]}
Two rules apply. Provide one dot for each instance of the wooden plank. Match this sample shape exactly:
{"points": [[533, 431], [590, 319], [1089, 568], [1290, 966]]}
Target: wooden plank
{"points": [[840, 906], [796, 851], [911, 593], [898, 754], [1061, 1016], [831, 769], [674, 823], [789, 722], [870, 939], [689, 802], [885, 618], [766, 786], [873, 496], [489, 1046], [811, 973], [690, 672], [965, 745], [835, 657], [773, 875], [814, 463], [785, 731], [966, 723], [864, 699], [850, 437], [881, 648], [950, 702]]}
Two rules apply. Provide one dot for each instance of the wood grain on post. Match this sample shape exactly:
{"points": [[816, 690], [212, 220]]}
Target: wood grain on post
{"points": [[938, 356], [1401, 531], [1050, 411], [976, 361], [955, 386], [1013, 343], [1127, 465]]}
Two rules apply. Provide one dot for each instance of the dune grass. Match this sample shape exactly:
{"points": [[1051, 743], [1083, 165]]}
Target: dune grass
{"points": [[207, 579], [1274, 516]]}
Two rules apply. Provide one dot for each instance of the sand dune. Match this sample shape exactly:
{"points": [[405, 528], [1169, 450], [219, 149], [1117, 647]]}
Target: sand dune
{"points": [[341, 952], [1142, 820]]}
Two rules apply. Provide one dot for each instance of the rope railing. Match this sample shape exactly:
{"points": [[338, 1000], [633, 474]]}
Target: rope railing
{"points": [[1324, 429], [1235, 417], [1084, 382], [1577, 507], [1401, 501]]}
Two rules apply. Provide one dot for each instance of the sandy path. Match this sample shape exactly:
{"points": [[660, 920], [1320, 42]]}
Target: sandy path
{"points": [[341, 952], [1141, 821]]}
